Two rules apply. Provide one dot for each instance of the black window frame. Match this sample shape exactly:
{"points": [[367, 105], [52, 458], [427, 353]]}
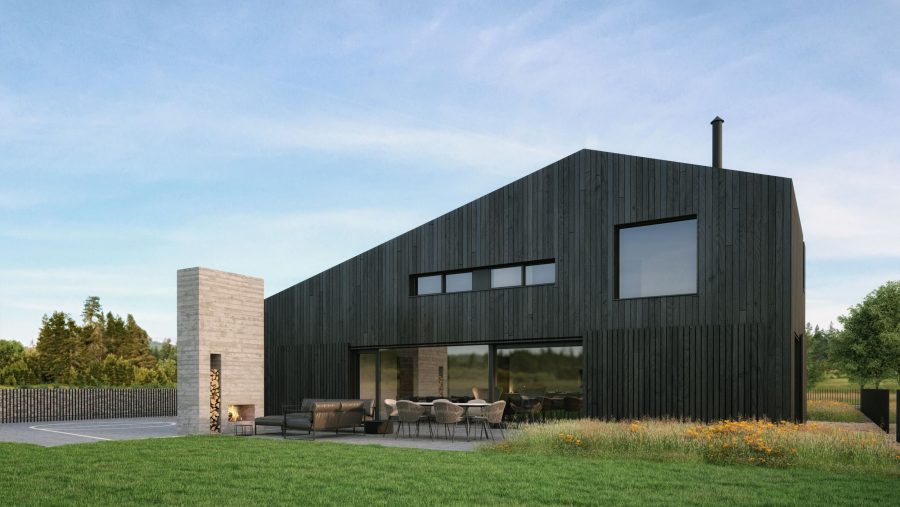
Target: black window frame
{"points": [[538, 263], [481, 277], [616, 248]]}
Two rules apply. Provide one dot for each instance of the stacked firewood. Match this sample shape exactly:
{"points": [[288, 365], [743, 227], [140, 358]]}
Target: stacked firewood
{"points": [[214, 400]]}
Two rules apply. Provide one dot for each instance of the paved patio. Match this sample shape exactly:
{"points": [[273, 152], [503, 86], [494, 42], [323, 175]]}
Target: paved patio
{"points": [[421, 442], [50, 434]]}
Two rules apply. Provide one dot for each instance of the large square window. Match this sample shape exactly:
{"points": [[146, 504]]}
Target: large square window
{"points": [[429, 285], [459, 282], [657, 259], [506, 277]]}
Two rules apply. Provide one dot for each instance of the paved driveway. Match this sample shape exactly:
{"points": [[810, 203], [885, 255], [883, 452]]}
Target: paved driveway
{"points": [[96, 430]]}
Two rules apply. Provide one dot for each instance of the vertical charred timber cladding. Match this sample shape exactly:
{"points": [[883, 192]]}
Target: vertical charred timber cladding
{"points": [[726, 351]]}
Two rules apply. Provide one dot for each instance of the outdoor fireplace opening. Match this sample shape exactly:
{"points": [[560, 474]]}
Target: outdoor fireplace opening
{"points": [[241, 413]]}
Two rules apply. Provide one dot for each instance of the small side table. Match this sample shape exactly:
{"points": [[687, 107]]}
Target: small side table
{"points": [[243, 428], [378, 427]]}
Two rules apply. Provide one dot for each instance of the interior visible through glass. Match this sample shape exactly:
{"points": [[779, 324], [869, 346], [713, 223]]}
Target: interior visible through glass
{"points": [[536, 382], [367, 375]]}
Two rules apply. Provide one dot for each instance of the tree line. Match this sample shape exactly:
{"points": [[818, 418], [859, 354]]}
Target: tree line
{"points": [[867, 349], [101, 350]]}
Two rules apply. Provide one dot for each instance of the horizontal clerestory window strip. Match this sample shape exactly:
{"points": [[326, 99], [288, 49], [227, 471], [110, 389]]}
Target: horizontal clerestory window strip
{"points": [[491, 277]]}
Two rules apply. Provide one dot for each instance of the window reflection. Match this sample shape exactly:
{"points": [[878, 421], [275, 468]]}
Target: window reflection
{"points": [[506, 277], [536, 274], [658, 259], [468, 370], [536, 382], [367, 375], [540, 382], [429, 284], [459, 282]]}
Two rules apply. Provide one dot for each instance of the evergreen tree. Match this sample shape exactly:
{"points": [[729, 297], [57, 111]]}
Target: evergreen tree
{"points": [[164, 351], [57, 345], [92, 348], [92, 313], [136, 346], [115, 334]]}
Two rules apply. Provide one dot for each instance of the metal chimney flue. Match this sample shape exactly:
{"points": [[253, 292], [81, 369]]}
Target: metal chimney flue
{"points": [[717, 142]]}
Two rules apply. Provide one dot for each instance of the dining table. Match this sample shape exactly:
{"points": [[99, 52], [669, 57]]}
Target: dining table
{"points": [[465, 405]]}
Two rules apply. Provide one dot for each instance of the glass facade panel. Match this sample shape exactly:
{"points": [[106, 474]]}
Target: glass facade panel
{"points": [[468, 371], [506, 277], [367, 375], [428, 284], [658, 259], [537, 274], [540, 382], [535, 381], [459, 282], [414, 373]]}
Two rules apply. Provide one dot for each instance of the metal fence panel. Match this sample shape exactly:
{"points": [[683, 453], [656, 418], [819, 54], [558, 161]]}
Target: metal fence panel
{"points": [[66, 404], [875, 404]]}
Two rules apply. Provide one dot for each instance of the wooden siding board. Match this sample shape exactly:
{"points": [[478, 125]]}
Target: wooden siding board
{"points": [[724, 352]]}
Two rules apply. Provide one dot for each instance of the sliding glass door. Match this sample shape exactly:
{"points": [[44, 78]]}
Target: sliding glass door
{"points": [[540, 382], [533, 380]]}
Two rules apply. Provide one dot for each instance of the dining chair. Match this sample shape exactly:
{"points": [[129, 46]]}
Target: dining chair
{"points": [[449, 415], [490, 416], [391, 405], [475, 411], [409, 413]]}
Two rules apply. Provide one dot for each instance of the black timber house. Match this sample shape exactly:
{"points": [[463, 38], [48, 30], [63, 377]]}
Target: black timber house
{"points": [[620, 286]]}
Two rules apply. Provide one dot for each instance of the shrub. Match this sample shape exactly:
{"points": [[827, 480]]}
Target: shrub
{"points": [[747, 442]]}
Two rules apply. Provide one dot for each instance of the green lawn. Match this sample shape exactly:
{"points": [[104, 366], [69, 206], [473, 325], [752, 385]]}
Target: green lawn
{"points": [[231, 470]]}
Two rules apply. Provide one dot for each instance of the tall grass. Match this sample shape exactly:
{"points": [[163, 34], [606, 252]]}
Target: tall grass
{"points": [[836, 411], [811, 445]]}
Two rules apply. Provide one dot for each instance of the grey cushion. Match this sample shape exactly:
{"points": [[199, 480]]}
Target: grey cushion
{"points": [[269, 420], [298, 422]]}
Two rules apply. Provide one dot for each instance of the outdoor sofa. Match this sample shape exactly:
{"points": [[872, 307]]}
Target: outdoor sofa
{"points": [[319, 415]]}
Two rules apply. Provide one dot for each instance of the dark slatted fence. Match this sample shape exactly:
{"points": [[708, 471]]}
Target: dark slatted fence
{"points": [[876, 405], [66, 404]]}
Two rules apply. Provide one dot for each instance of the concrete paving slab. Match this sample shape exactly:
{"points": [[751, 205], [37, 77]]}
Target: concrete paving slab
{"points": [[423, 441]]}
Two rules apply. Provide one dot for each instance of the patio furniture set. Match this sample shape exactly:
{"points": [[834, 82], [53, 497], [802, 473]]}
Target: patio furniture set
{"points": [[447, 414], [317, 415]]}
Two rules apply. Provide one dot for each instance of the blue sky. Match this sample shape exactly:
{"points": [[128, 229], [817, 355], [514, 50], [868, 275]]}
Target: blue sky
{"points": [[278, 139]]}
